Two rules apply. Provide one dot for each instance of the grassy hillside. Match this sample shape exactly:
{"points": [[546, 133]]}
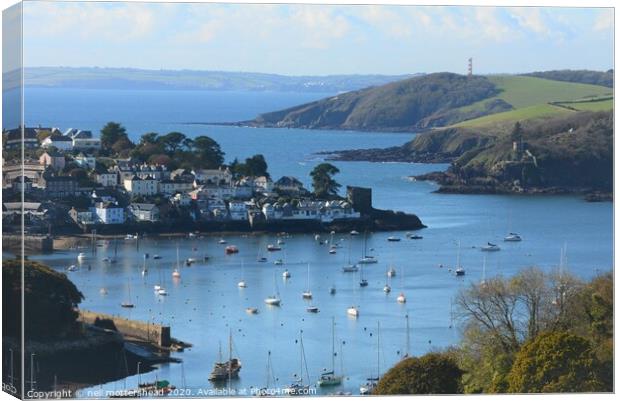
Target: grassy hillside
{"points": [[532, 97]]}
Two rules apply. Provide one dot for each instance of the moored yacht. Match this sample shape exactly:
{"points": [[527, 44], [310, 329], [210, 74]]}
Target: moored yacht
{"points": [[512, 237], [490, 247], [353, 311]]}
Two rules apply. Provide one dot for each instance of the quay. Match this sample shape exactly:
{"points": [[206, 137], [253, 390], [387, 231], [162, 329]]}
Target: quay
{"points": [[154, 334]]}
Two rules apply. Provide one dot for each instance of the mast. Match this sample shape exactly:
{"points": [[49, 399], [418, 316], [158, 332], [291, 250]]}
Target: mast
{"points": [[308, 281], [378, 348], [229, 356], [458, 255], [408, 339], [333, 344]]}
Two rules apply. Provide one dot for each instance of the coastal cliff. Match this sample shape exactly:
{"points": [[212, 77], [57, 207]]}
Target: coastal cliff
{"points": [[408, 105], [569, 154]]}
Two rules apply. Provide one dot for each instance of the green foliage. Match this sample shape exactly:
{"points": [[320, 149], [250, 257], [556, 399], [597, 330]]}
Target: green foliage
{"points": [[175, 150], [50, 300], [603, 78], [409, 104], [111, 133], [322, 180], [433, 373], [555, 362], [254, 166]]}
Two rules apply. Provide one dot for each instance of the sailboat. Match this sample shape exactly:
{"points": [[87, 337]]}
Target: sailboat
{"points": [[330, 378], [298, 387], [128, 303], [511, 237], [371, 383], [349, 268], [353, 311], [459, 271], [363, 281], [144, 269], [274, 300], [366, 259], [407, 339], [387, 288], [401, 299], [176, 273], [391, 271], [490, 247], [242, 283], [267, 390], [307, 294], [226, 370]]}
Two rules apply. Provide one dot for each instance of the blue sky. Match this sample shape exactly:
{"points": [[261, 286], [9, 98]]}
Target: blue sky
{"points": [[316, 40]]}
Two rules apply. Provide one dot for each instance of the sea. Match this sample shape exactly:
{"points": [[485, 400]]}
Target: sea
{"points": [[206, 306]]}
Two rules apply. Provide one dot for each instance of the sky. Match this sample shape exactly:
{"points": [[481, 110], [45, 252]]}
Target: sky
{"points": [[302, 39]]}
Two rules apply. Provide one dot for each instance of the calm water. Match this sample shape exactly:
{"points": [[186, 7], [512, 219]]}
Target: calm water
{"points": [[207, 303]]}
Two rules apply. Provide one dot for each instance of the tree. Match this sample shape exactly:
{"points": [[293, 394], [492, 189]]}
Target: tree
{"points": [[208, 152], [50, 301], [171, 141], [555, 362], [111, 133], [322, 180], [433, 373], [257, 166]]}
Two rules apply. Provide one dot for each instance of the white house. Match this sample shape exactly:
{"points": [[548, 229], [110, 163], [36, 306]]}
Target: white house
{"points": [[289, 184], [141, 186], [107, 179], [86, 143], [144, 211], [85, 161], [109, 213], [263, 184], [181, 199], [238, 210], [214, 176], [170, 187], [60, 142]]}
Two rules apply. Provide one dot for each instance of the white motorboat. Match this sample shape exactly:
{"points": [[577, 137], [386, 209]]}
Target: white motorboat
{"points": [[401, 299], [273, 248], [72, 268], [312, 309], [332, 251], [393, 239], [162, 291], [367, 260], [251, 310], [242, 284], [222, 241], [353, 232], [103, 291], [490, 247], [459, 271], [278, 262], [286, 274], [81, 257], [368, 387], [391, 272], [156, 287], [387, 289], [512, 237]]}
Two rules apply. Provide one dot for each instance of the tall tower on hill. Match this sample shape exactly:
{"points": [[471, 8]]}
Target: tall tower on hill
{"points": [[470, 67]]}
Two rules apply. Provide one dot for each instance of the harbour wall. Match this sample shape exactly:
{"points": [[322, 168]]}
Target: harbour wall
{"points": [[33, 244], [151, 332]]}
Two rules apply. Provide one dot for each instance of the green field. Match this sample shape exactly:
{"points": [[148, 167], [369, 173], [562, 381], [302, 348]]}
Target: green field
{"points": [[531, 96]]}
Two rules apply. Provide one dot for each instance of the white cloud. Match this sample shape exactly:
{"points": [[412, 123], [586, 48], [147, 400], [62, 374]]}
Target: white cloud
{"points": [[604, 21], [116, 22]]}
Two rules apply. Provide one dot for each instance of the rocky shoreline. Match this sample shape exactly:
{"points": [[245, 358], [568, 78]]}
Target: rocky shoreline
{"points": [[450, 184]]}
